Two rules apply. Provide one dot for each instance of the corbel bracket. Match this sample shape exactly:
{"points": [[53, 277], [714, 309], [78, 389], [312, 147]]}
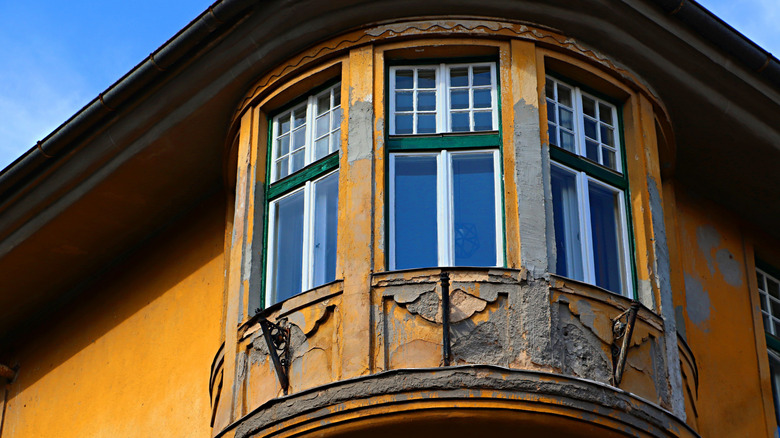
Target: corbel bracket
{"points": [[277, 337], [622, 329]]}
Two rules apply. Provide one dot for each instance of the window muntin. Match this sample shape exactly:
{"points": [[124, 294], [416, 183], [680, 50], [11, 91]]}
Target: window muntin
{"points": [[303, 226], [582, 124], [444, 98], [306, 133], [769, 293], [445, 209]]}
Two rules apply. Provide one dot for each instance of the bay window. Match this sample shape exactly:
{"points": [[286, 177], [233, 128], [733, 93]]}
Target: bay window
{"points": [[444, 166], [588, 188], [303, 195]]}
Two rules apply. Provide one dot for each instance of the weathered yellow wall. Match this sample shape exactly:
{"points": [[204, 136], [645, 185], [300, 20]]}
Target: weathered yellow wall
{"points": [[718, 314], [130, 358]]}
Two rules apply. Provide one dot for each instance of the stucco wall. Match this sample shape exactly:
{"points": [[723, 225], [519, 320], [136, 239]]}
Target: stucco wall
{"points": [[130, 357]]}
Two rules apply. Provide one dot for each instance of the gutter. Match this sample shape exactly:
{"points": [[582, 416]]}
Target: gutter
{"points": [[725, 37], [218, 17]]}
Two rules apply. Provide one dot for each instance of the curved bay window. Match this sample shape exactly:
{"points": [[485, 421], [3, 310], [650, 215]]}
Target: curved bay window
{"points": [[588, 188], [444, 168], [303, 195]]}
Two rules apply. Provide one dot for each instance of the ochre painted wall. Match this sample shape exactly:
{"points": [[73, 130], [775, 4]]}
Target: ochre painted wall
{"points": [[131, 356], [719, 325]]}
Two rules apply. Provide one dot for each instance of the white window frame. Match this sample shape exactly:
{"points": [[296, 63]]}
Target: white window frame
{"points": [[444, 204], [307, 270], [583, 181], [310, 125], [443, 104], [766, 300], [579, 125]]}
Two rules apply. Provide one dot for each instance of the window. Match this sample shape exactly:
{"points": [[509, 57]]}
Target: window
{"points": [[444, 188], [303, 196], [769, 296], [588, 188]]}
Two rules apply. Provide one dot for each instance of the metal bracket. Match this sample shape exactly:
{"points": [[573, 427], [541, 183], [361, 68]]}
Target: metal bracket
{"points": [[445, 318], [277, 337], [622, 330]]}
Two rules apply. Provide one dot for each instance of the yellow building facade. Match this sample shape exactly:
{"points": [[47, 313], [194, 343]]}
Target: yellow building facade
{"points": [[519, 218]]}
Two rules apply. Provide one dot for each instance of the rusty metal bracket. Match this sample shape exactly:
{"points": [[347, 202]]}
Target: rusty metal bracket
{"points": [[445, 318], [277, 337], [622, 330]]}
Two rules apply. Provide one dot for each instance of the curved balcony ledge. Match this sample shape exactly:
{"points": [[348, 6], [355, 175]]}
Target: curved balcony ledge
{"points": [[459, 400]]}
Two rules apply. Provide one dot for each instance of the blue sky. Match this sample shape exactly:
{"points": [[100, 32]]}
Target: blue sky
{"points": [[58, 55]]}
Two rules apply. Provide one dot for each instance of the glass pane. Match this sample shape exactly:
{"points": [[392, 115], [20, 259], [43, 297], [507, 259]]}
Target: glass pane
{"points": [[760, 279], [552, 133], [776, 325], [322, 125], [336, 119], [590, 128], [589, 106], [281, 168], [335, 141], [426, 101], [592, 150], [299, 139], [609, 158], [426, 123], [403, 124], [481, 76], [403, 101], [567, 141], [483, 99], [607, 135], [415, 212], [326, 201], [473, 198], [483, 121], [566, 222], [299, 117], [287, 250], [298, 160], [459, 99], [323, 104], [459, 77], [567, 119], [775, 308], [284, 125], [337, 96], [549, 89], [404, 79], [763, 302], [321, 148], [772, 287], [284, 146], [564, 95], [605, 114], [605, 236], [426, 78], [551, 111]]}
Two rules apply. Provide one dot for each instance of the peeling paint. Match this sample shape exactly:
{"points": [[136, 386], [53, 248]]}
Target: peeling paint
{"points": [[708, 238], [360, 136], [679, 315], [730, 268], [697, 303]]}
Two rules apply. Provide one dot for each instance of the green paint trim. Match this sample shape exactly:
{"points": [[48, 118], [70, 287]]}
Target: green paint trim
{"points": [[769, 269], [265, 186], [772, 342], [299, 178], [627, 201], [444, 141], [592, 169]]}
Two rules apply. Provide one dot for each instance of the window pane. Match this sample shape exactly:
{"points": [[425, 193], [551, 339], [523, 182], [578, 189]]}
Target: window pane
{"points": [[426, 78], [567, 140], [605, 236], [321, 148], [592, 150], [299, 138], [426, 101], [589, 106], [483, 121], [284, 146], [415, 229], [284, 123], [609, 158], [322, 125], [551, 111], [403, 101], [481, 76], [299, 117], [297, 160], [404, 79], [403, 124], [567, 119], [607, 136], [564, 95], [426, 123], [459, 99], [323, 103], [566, 221], [590, 128], [336, 119], [772, 287], [459, 77], [605, 114], [549, 89], [483, 99], [326, 201], [473, 198], [282, 168], [287, 247]]}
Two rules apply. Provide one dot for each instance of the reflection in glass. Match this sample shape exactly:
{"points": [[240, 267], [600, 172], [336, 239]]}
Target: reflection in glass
{"points": [[414, 219], [474, 209], [605, 237], [287, 246], [426, 78], [404, 79], [481, 76], [426, 123], [326, 200], [566, 224], [483, 121]]}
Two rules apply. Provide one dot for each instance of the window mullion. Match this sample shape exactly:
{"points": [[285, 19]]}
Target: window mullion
{"points": [[578, 116], [442, 99], [310, 116], [585, 228], [308, 213], [442, 209], [497, 193], [392, 101], [625, 244]]}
